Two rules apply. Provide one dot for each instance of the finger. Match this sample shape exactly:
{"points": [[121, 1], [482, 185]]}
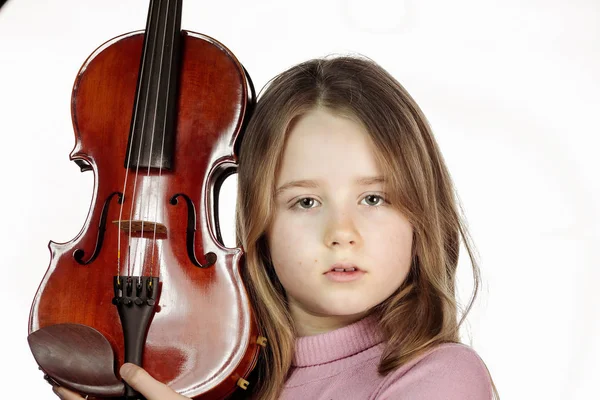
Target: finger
{"points": [[141, 381], [65, 394]]}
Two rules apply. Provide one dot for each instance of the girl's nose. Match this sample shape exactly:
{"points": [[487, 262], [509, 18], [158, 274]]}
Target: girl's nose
{"points": [[341, 231]]}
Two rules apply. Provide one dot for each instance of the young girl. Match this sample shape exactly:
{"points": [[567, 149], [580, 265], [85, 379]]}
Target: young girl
{"points": [[348, 218]]}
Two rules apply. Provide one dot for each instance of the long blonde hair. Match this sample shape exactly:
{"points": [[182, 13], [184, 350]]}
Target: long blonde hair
{"points": [[423, 312]]}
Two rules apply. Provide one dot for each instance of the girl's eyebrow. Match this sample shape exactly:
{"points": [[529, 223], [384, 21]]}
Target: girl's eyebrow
{"points": [[312, 184]]}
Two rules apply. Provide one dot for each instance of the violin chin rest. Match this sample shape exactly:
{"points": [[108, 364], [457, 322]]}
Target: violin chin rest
{"points": [[78, 357]]}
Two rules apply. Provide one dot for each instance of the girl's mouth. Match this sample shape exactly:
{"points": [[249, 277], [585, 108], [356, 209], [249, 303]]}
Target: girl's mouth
{"points": [[343, 267], [344, 276], [344, 272]]}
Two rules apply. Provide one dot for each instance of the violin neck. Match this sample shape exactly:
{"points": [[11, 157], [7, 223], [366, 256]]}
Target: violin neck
{"points": [[151, 138]]}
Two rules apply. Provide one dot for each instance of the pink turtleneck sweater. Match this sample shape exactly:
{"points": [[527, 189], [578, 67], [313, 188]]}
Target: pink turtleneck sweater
{"points": [[342, 365]]}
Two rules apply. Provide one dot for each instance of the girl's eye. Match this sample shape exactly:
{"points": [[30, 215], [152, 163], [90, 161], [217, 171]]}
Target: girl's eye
{"points": [[306, 203], [374, 200]]}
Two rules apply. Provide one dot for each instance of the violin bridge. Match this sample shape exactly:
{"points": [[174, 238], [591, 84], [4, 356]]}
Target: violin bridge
{"points": [[139, 226]]}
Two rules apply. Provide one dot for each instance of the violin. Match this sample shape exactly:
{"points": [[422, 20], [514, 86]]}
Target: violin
{"points": [[157, 115]]}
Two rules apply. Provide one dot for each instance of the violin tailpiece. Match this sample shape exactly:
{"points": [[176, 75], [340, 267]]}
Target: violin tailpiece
{"points": [[135, 298]]}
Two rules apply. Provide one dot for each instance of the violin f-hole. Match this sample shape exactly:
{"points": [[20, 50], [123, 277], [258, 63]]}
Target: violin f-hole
{"points": [[78, 254], [211, 258]]}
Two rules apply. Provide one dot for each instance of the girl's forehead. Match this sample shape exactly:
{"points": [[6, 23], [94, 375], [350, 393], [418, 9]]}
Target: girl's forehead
{"points": [[320, 128], [327, 146]]}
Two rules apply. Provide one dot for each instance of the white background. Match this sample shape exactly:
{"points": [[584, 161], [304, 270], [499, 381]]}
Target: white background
{"points": [[510, 88]]}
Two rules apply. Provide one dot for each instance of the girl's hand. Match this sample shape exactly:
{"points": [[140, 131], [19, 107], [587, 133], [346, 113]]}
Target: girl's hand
{"points": [[138, 379]]}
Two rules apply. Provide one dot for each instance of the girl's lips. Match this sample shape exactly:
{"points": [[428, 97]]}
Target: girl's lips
{"points": [[336, 276], [340, 266]]}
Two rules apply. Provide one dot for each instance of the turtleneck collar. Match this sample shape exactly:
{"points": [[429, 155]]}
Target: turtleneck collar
{"points": [[335, 345]]}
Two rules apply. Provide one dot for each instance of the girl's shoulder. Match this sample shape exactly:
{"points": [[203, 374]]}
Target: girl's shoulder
{"points": [[449, 371]]}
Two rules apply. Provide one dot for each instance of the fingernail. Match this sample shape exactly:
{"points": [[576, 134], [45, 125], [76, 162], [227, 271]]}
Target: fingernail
{"points": [[126, 370]]}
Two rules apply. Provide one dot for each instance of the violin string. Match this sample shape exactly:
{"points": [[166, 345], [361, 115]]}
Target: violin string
{"points": [[137, 167], [127, 164], [156, 105]]}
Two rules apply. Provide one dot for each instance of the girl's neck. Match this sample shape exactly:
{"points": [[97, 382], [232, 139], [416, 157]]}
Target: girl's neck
{"points": [[308, 324]]}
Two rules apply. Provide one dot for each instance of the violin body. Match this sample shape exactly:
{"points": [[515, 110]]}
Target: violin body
{"points": [[202, 335]]}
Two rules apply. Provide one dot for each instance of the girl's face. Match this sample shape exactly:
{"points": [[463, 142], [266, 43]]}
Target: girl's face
{"points": [[331, 209]]}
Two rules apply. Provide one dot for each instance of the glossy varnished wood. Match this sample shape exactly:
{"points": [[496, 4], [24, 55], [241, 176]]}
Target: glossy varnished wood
{"points": [[202, 336]]}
